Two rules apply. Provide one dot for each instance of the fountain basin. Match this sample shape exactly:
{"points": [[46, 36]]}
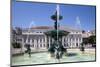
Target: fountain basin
{"points": [[73, 55]]}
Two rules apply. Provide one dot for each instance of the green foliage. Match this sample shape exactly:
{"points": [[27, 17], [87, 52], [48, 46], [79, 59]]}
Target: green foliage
{"points": [[92, 39], [16, 45], [85, 40], [18, 31], [82, 47], [51, 49]]}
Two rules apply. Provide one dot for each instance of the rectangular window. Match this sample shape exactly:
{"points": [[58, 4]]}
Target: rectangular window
{"points": [[33, 45], [44, 45], [40, 45]]}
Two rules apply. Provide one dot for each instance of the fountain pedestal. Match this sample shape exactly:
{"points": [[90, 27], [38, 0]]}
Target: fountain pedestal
{"points": [[56, 48]]}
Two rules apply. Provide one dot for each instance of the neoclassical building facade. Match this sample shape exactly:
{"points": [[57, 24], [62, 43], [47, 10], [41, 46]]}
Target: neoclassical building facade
{"points": [[40, 42]]}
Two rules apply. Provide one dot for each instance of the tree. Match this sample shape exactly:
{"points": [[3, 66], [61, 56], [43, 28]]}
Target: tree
{"points": [[16, 45], [18, 31], [17, 36], [83, 31], [92, 40], [85, 40]]}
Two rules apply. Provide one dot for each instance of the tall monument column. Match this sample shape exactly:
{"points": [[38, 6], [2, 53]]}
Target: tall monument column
{"points": [[56, 17]]}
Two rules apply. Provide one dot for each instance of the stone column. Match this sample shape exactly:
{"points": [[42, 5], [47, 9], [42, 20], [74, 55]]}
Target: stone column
{"points": [[52, 40], [39, 42], [22, 48], [35, 44], [78, 41], [75, 41], [68, 41], [30, 41], [45, 41], [42, 42], [71, 42], [49, 42], [62, 40]]}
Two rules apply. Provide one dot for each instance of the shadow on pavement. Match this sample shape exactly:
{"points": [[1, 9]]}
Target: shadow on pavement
{"points": [[71, 54]]}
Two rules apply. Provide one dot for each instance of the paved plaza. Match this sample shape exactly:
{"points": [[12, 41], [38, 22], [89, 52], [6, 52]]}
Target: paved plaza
{"points": [[73, 55]]}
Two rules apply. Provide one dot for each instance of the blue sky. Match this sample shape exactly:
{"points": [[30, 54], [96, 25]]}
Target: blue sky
{"points": [[24, 13]]}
